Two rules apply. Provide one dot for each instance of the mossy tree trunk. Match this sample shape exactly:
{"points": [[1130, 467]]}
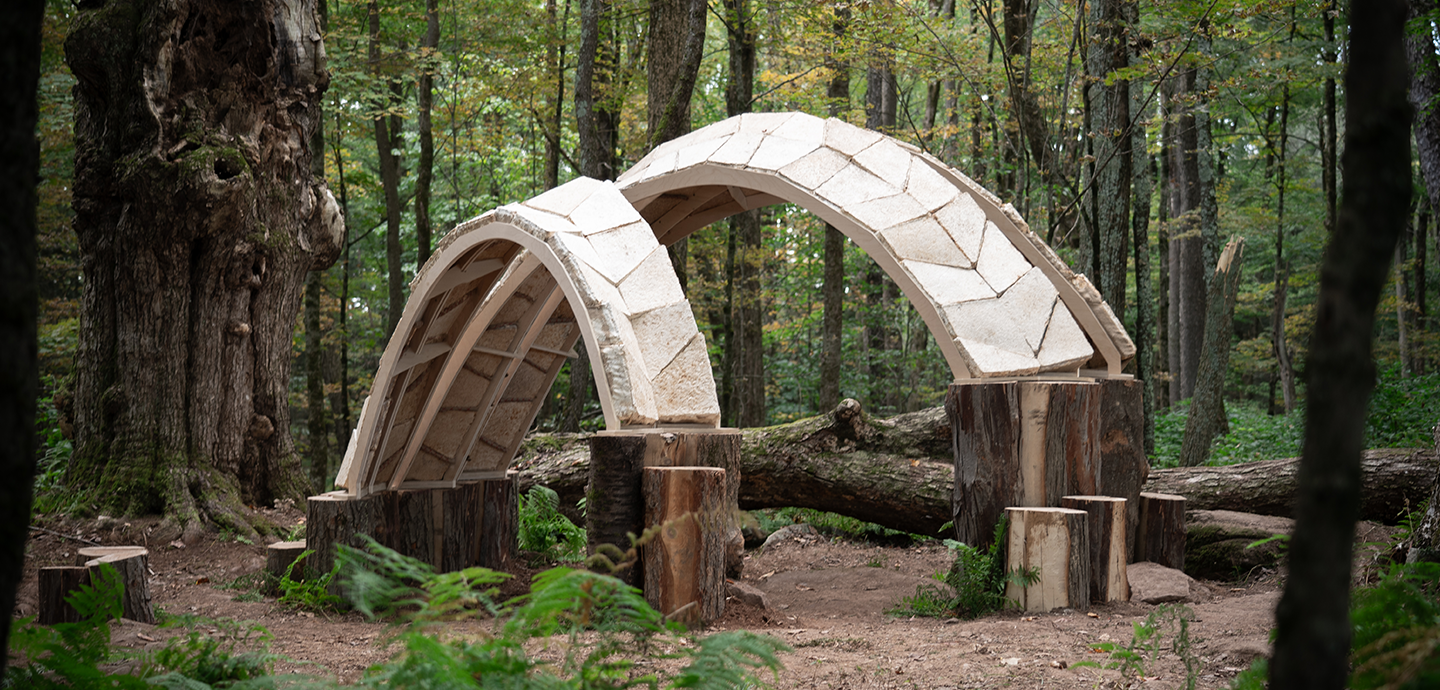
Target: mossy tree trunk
{"points": [[198, 218]]}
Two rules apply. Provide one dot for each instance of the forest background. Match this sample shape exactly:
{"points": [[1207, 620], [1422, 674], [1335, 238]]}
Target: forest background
{"points": [[1136, 139]]}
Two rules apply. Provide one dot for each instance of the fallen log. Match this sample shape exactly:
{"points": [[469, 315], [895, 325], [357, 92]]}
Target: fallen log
{"points": [[1394, 482], [894, 472], [898, 472]]}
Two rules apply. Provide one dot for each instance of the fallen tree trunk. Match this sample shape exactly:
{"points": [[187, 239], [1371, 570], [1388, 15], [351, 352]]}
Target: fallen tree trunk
{"points": [[894, 472], [1394, 482], [898, 472]]}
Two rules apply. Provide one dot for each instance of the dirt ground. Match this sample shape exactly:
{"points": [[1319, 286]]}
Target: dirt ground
{"points": [[827, 599]]}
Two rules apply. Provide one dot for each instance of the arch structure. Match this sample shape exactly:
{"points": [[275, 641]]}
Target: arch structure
{"points": [[999, 302], [494, 314]]}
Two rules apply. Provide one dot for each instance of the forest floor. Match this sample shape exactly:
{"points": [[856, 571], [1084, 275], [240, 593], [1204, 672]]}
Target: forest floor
{"points": [[827, 599]]}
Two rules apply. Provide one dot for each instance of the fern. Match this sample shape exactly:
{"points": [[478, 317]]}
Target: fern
{"points": [[977, 579], [544, 529], [727, 660], [1396, 624], [310, 594]]}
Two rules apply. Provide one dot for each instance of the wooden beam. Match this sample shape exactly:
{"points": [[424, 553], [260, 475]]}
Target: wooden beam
{"points": [[699, 196], [454, 278], [409, 360]]}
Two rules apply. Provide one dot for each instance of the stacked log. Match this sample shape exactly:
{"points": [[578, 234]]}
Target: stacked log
{"points": [[1106, 520], [131, 565], [1161, 536], [685, 555], [1056, 543]]}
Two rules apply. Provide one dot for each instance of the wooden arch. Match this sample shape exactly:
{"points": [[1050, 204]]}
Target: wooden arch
{"points": [[493, 315], [998, 300]]}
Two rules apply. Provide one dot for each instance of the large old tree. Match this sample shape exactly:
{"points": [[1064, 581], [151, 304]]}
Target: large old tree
{"points": [[198, 217]]}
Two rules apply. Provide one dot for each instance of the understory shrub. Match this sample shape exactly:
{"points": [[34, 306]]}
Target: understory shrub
{"points": [[1396, 629], [544, 529], [975, 584]]}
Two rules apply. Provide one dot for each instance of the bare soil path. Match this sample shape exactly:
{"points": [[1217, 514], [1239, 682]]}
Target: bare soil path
{"points": [[827, 599]]}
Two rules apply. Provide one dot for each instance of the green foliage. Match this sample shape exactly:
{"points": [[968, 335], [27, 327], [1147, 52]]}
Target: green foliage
{"points": [[381, 583], [231, 652], [1403, 410], [1253, 435], [308, 594], [69, 654], [1396, 629], [975, 584], [1257, 677], [833, 525], [50, 494], [544, 529], [1149, 640]]}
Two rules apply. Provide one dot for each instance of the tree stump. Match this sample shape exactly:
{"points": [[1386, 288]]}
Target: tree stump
{"points": [[1161, 534], [472, 524], [281, 554], [56, 583], [131, 563], [1054, 541], [685, 559], [614, 502], [1109, 549]]}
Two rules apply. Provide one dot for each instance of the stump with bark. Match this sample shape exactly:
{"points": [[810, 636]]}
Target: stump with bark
{"points": [[1109, 550], [131, 565], [279, 557], [614, 502], [1161, 536], [1028, 443], [1056, 543], [685, 556], [473, 524]]}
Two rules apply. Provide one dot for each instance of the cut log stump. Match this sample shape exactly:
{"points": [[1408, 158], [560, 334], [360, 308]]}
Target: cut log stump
{"points": [[1161, 535], [132, 564], [56, 583], [1056, 542], [472, 524], [281, 554], [1029, 443], [615, 505], [685, 559], [1109, 549]]}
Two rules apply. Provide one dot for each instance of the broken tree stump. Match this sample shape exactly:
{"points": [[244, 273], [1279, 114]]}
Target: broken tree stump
{"points": [[614, 503], [281, 554], [1055, 542], [1028, 443], [1161, 534], [1109, 549], [56, 583], [685, 560], [131, 563]]}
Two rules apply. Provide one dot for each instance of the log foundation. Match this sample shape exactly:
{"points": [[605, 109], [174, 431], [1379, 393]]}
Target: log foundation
{"points": [[131, 566], [473, 524], [1161, 537], [281, 554], [1108, 547], [1028, 443], [615, 507], [685, 556], [56, 583], [1054, 541]]}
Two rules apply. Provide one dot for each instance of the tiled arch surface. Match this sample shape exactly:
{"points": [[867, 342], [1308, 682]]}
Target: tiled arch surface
{"points": [[495, 312], [998, 300]]}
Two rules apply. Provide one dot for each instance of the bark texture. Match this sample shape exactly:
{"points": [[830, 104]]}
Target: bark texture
{"points": [[1207, 408], [1424, 71], [198, 218], [19, 382], [1109, 100], [1312, 619], [685, 557], [745, 406], [1393, 482]]}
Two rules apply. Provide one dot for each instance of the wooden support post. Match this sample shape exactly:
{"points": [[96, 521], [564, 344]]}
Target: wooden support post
{"points": [[131, 563], [1161, 535], [1054, 541], [1109, 549], [1123, 464], [472, 524], [1030, 442], [56, 583], [281, 554], [685, 560], [614, 503]]}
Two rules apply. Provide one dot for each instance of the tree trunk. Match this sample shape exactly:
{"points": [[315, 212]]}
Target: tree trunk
{"points": [[198, 218], [1312, 641], [1187, 252], [676, 42], [832, 327], [1140, 170], [1207, 408], [747, 399], [1282, 267], [386, 146], [1109, 102], [425, 99], [20, 26], [1393, 482], [317, 418], [555, 58], [1328, 138]]}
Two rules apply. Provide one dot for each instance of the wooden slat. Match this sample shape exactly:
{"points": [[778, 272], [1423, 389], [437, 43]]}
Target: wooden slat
{"points": [[429, 351], [454, 278]]}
